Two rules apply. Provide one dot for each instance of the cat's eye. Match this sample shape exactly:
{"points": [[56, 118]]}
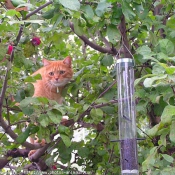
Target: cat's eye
{"points": [[51, 73], [62, 71]]}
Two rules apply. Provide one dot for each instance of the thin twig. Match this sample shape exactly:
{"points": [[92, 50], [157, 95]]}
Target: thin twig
{"points": [[145, 133], [3, 90], [8, 114], [107, 89], [37, 10]]}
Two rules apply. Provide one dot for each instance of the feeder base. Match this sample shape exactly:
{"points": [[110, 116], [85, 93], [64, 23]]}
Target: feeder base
{"points": [[130, 172]]}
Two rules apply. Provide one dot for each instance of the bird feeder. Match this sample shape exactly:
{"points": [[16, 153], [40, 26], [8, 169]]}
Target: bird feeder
{"points": [[126, 111]]}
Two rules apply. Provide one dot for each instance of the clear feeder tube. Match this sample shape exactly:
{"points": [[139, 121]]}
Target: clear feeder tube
{"points": [[126, 111]]}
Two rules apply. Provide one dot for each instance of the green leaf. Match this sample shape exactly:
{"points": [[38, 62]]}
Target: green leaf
{"points": [[55, 116], [153, 38], [172, 132], [63, 130], [43, 100], [26, 21], [158, 69], [20, 95], [5, 141], [78, 30], [33, 79], [149, 82], [101, 100], [163, 140], [168, 158], [89, 13], [50, 161], [28, 64], [85, 107], [145, 51], [153, 131], [11, 13], [19, 58], [59, 19], [49, 14], [150, 160], [102, 7], [83, 152], [3, 51], [166, 46], [66, 140], [29, 90], [113, 34], [170, 70], [137, 81], [79, 73], [101, 152], [72, 5], [107, 60], [109, 109], [97, 115], [96, 112], [172, 34], [17, 2], [29, 50], [29, 101], [168, 113], [44, 120], [33, 129], [28, 110], [23, 136], [127, 10], [110, 94]]}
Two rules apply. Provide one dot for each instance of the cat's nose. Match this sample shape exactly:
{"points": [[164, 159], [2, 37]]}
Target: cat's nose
{"points": [[56, 79]]}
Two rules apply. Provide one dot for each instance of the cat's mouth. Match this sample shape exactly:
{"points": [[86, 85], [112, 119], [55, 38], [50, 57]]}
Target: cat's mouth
{"points": [[58, 83]]}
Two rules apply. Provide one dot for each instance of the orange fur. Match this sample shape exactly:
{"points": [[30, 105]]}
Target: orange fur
{"points": [[55, 75]]}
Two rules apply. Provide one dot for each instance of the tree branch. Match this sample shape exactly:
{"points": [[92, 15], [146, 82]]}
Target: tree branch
{"points": [[3, 90], [18, 153], [13, 154], [37, 10], [111, 51], [35, 157], [125, 42], [107, 89], [3, 162], [99, 127]]}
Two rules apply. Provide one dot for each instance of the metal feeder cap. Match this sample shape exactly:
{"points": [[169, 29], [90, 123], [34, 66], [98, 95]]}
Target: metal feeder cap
{"points": [[125, 61]]}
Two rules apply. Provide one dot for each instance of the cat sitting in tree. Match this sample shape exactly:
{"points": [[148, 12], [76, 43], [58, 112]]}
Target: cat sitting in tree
{"points": [[55, 75]]}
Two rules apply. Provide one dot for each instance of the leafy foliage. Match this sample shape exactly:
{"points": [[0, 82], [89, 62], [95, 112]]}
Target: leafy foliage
{"points": [[94, 34]]}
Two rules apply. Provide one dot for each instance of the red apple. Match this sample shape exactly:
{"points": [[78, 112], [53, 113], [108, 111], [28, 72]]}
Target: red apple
{"points": [[54, 167], [36, 41], [10, 49]]}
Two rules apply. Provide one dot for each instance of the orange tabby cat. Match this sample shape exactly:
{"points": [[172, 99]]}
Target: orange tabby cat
{"points": [[55, 75]]}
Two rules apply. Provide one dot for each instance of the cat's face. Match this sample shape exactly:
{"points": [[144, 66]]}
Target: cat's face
{"points": [[58, 73]]}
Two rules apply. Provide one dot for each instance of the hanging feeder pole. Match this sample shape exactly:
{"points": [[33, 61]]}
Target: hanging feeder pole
{"points": [[126, 115]]}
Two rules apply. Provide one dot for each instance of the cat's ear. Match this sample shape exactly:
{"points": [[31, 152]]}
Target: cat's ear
{"points": [[45, 62], [68, 61]]}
